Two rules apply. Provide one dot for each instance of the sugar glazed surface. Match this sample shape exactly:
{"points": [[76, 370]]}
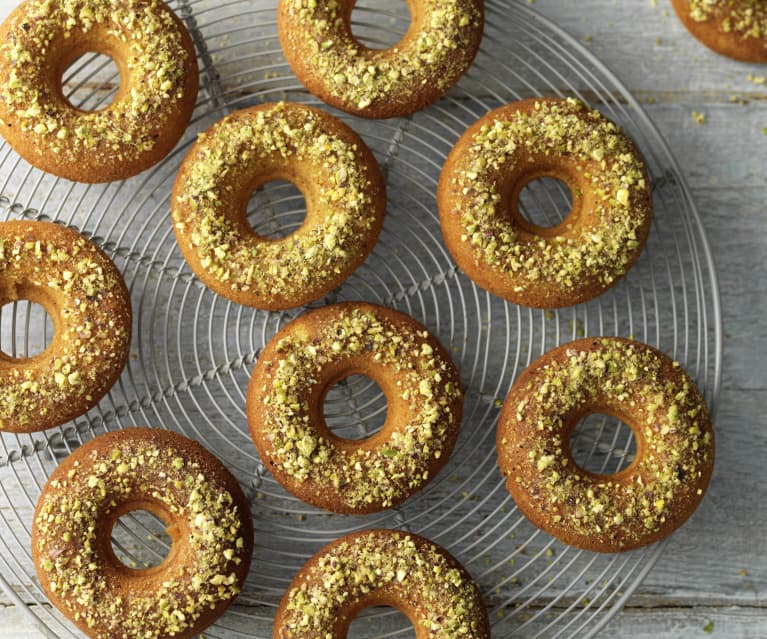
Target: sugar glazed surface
{"points": [[29, 61], [745, 17], [390, 567], [85, 293], [428, 397], [675, 444], [344, 203], [69, 538], [584, 257], [439, 47]]}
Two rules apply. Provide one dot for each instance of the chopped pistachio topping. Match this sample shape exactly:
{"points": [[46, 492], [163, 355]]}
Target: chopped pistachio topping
{"points": [[604, 243], [435, 56], [155, 67], [621, 377], [428, 385], [56, 265], [747, 18], [71, 516], [406, 568], [282, 138]]}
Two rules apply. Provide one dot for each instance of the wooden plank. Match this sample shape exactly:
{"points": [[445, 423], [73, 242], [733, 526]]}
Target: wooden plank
{"points": [[14, 624], [692, 623], [724, 162], [632, 623]]}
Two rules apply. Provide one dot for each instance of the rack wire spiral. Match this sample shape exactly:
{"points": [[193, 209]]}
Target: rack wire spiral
{"points": [[193, 352]]}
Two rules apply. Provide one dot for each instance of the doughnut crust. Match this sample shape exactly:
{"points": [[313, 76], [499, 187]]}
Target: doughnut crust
{"points": [[527, 264], [638, 385], [85, 296], [382, 568], [158, 86], [734, 28], [345, 204], [176, 479], [438, 48], [314, 352]]}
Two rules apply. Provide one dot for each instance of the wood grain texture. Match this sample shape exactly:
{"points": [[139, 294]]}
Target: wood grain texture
{"points": [[14, 624], [699, 577]]}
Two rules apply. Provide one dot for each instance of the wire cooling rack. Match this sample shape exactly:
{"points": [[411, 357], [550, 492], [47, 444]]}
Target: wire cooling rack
{"points": [[193, 352]]}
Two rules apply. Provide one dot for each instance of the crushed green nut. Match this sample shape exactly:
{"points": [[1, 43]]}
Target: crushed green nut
{"points": [[359, 77], [69, 519], [594, 253], [359, 477], [155, 62], [356, 567]]}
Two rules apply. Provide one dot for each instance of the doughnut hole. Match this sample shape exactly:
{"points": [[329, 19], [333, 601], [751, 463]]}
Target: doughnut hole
{"points": [[545, 202], [602, 444], [140, 540], [368, 626], [91, 82], [355, 408], [377, 28], [276, 209], [26, 329]]}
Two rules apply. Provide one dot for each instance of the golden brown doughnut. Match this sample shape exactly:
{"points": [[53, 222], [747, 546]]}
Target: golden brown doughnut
{"points": [[324, 158], [158, 86], [85, 296], [499, 249], [439, 47], [287, 393], [176, 479], [636, 384], [382, 568], [735, 28]]}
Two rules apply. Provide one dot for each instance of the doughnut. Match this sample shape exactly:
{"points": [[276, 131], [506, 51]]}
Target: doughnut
{"points": [[438, 48], [502, 252], [172, 477], [85, 296], [316, 351], [158, 86], [734, 28], [636, 384], [382, 568], [334, 169]]}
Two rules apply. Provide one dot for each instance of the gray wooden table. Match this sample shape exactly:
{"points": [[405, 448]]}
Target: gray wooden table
{"points": [[713, 575]]}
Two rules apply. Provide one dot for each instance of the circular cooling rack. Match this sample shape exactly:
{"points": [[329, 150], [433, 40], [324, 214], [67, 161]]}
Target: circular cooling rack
{"points": [[193, 352]]}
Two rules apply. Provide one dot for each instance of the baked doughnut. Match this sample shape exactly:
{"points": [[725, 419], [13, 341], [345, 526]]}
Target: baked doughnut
{"points": [[319, 349], [382, 568], [735, 28], [177, 480], [158, 86], [634, 383], [331, 165], [85, 296], [527, 264], [438, 48]]}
